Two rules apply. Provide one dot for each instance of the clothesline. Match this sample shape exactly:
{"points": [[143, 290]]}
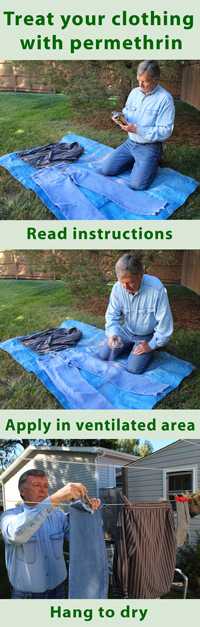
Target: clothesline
{"points": [[138, 503], [94, 464]]}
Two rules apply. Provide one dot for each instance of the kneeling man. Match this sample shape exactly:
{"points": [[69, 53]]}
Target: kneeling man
{"points": [[149, 120], [138, 317]]}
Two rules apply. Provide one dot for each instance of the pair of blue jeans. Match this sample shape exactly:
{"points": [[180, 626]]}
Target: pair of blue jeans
{"points": [[70, 187], [56, 593], [135, 363], [88, 566], [143, 157]]}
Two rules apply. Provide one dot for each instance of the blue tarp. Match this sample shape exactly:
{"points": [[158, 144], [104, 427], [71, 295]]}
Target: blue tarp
{"points": [[80, 380], [169, 187]]}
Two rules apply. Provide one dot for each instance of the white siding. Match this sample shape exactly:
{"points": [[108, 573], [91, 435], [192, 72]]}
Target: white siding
{"points": [[145, 479], [60, 467]]}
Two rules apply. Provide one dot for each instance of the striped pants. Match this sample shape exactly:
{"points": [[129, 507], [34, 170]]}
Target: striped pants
{"points": [[145, 550]]}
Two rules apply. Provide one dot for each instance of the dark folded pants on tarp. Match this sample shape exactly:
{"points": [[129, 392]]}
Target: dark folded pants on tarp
{"points": [[114, 191], [145, 550], [42, 156], [88, 568], [56, 339]]}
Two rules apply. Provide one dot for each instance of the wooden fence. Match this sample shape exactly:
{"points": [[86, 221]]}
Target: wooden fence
{"points": [[15, 265], [191, 270], [19, 78], [50, 76], [190, 89]]}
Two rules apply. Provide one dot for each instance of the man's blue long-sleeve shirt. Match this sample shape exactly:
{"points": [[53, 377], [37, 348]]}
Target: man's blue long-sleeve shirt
{"points": [[153, 114], [34, 539], [147, 312]]}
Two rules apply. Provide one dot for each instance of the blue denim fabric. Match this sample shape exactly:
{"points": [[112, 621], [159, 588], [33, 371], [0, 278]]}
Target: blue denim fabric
{"points": [[68, 379], [136, 364], [88, 570], [56, 593], [68, 188], [117, 374], [67, 373], [62, 191], [116, 191], [144, 159]]}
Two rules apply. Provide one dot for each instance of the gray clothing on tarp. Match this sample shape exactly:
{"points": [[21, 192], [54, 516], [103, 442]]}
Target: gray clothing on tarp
{"points": [[42, 156], [52, 340]]}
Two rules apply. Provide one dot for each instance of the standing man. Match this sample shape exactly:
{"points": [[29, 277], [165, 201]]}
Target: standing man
{"points": [[149, 113], [138, 317], [34, 533]]}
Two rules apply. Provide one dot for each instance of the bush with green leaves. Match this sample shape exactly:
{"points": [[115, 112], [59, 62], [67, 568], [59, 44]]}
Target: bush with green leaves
{"points": [[189, 561]]}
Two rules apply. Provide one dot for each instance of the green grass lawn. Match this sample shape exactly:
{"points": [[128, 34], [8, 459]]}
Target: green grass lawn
{"points": [[32, 119], [28, 306]]}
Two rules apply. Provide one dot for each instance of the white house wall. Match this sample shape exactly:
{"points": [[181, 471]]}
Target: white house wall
{"points": [[145, 478], [59, 471]]}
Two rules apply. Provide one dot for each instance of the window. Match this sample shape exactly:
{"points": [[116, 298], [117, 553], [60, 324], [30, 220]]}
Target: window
{"points": [[110, 475], [177, 483]]}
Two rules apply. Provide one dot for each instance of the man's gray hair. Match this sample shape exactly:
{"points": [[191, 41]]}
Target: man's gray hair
{"points": [[32, 472], [129, 263], [151, 67]]}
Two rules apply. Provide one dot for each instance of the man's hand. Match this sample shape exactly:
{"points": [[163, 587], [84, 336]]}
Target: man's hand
{"points": [[94, 503], [128, 128], [114, 341], [142, 347], [119, 120], [69, 492]]}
